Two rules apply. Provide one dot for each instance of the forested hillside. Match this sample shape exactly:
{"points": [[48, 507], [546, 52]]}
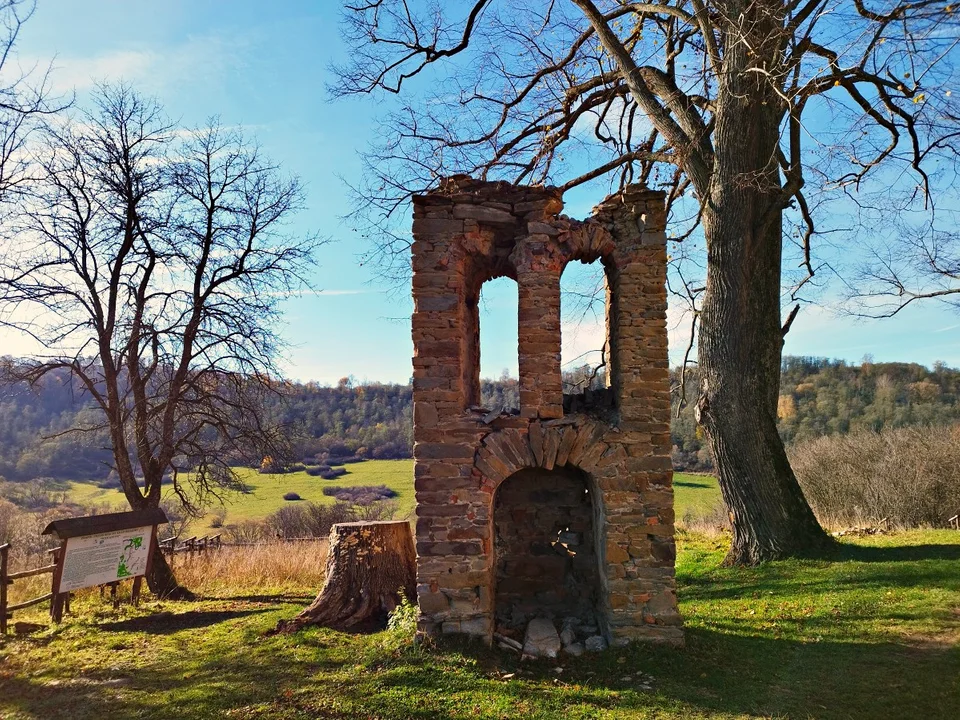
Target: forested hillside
{"points": [[818, 397], [825, 397]]}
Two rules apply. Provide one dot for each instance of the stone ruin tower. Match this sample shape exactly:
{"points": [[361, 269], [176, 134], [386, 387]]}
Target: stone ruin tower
{"points": [[565, 509]]}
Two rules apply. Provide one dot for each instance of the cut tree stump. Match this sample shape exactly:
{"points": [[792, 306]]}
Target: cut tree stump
{"points": [[369, 566]]}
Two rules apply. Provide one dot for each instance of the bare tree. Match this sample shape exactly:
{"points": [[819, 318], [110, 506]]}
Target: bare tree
{"points": [[922, 262], [25, 97], [151, 262], [736, 108]]}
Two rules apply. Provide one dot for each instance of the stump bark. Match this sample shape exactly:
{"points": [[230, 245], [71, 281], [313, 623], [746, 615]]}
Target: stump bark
{"points": [[369, 566]]}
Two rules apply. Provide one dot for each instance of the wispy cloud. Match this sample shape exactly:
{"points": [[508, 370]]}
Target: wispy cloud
{"points": [[320, 293], [202, 59]]}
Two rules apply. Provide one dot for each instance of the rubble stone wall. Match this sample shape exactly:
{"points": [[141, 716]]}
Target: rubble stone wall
{"points": [[468, 232]]}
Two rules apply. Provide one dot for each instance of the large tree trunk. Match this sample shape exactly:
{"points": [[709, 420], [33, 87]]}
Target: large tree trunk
{"points": [[741, 342], [162, 581], [369, 566], [160, 577]]}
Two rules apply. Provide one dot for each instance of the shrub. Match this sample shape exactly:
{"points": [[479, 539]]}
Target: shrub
{"points": [[360, 494], [318, 470], [331, 473], [269, 466], [307, 519], [291, 496], [344, 459], [218, 517], [385, 510], [910, 476], [296, 467], [246, 532]]}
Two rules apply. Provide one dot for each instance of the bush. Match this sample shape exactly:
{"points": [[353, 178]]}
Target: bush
{"points": [[910, 476], [344, 460], [385, 510], [269, 466], [291, 496], [361, 494], [307, 519], [218, 517], [246, 532]]}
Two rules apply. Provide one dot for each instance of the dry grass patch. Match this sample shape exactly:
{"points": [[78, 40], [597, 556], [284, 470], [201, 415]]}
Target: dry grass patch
{"points": [[271, 566]]}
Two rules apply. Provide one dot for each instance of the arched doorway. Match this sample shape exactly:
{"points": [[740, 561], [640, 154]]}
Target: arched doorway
{"points": [[545, 548]]}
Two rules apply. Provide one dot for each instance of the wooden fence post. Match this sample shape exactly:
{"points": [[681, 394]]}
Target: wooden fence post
{"points": [[56, 599], [4, 554]]}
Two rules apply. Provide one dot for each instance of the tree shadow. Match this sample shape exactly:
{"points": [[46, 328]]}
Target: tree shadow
{"points": [[306, 597], [897, 553], [164, 623], [693, 484]]}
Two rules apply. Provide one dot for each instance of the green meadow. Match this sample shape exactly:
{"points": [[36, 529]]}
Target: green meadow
{"points": [[871, 631], [697, 492]]}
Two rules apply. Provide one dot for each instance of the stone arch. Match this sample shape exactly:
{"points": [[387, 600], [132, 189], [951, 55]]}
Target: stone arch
{"points": [[546, 540], [554, 443]]}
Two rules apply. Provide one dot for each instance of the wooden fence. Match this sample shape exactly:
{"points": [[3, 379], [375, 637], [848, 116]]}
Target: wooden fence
{"points": [[191, 545], [7, 579], [194, 544]]}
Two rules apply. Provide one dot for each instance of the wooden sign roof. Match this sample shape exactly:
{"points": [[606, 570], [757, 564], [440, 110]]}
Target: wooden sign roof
{"points": [[108, 522]]}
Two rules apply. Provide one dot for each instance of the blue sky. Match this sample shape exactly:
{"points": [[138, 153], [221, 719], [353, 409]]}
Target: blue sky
{"points": [[265, 66]]}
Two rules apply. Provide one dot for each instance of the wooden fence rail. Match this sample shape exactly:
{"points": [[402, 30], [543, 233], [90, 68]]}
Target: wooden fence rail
{"points": [[7, 578], [215, 542], [190, 545]]}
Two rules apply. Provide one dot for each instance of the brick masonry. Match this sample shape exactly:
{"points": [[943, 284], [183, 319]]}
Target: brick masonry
{"points": [[473, 562]]}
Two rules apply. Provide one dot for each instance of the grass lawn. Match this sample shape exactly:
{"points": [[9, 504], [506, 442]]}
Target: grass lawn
{"points": [[873, 632], [699, 492]]}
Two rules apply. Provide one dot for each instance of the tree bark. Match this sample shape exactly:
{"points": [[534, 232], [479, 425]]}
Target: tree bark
{"points": [[741, 340], [369, 566], [160, 578], [162, 582]]}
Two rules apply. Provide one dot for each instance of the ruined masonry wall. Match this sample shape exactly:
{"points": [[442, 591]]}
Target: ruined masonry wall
{"points": [[468, 232]]}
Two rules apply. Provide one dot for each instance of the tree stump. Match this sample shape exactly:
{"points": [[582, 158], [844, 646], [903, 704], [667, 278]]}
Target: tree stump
{"points": [[369, 566]]}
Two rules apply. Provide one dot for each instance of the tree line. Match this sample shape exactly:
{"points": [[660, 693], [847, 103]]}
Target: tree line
{"points": [[818, 397]]}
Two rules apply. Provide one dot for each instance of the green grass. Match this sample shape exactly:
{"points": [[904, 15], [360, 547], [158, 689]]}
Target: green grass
{"points": [[695, 493], [698, 492], [870, 633], [267, 491]]}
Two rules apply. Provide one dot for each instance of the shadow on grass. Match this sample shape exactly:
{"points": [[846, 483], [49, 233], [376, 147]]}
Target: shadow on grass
{"points": [[693, 484], [306, 598], [897, 553], [165, 623], [717, 672]]}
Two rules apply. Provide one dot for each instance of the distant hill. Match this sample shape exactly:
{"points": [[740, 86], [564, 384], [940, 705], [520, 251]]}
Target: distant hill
{"points": [[825, 397], [818, 397]]}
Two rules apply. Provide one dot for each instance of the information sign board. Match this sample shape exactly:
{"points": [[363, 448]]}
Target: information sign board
{"points": [[91, 560]]}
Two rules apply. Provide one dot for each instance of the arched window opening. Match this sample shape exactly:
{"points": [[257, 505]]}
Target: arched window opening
{"points": [[497, 370], [585, 338]]}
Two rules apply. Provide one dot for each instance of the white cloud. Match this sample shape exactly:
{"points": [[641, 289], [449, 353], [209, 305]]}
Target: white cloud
{"points": [[199, 60], [321, 293]]}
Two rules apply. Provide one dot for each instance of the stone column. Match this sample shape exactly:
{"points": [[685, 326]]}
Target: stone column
{"points": [[538, 332]]}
